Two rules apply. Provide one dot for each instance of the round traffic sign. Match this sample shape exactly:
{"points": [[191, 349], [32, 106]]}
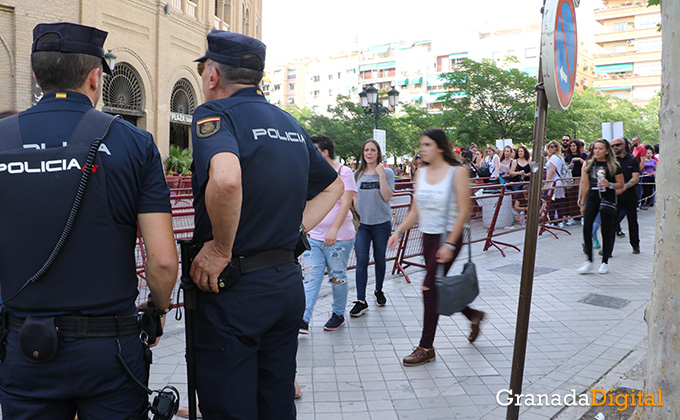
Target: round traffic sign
{"points": [[559, 50]]}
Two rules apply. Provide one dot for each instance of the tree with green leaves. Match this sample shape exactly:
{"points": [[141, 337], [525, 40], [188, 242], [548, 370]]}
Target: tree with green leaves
{"points": [[486, 102]]}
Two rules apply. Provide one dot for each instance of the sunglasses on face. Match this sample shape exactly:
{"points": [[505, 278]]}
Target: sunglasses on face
{"points": [[617, 144], [552, 146]]}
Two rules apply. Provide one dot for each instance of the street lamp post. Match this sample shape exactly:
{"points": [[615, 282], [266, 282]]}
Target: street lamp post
{"points": [[371, 105]]}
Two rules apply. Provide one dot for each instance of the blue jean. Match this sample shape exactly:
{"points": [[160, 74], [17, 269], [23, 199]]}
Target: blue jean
{"points": [[315, 262], [378, 234]]}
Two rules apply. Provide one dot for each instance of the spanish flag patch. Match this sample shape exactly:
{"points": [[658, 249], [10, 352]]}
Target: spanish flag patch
{"points": [[208, 126], [61, 95]]}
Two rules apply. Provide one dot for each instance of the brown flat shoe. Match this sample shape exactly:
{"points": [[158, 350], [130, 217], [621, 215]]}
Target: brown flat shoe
{"points": [[474, 327], [420, 356]]}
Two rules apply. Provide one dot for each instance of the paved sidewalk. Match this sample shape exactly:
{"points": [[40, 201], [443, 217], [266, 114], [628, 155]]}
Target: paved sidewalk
{"points": [[357, 370]]}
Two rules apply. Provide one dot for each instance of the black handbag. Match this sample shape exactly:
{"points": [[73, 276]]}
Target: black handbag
{"points": [[456, 292], [607, 207]]}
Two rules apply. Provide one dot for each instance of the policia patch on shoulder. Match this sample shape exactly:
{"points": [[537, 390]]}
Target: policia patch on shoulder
{"points": [[208, 126]]}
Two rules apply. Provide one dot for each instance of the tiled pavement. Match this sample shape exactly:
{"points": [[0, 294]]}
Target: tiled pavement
{"points": [[356, 371]]}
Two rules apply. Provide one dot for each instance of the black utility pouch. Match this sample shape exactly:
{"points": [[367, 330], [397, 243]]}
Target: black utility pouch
{"points": [[228, 277], [302, 245], [39, 339], [150, 323], [4, 332]]}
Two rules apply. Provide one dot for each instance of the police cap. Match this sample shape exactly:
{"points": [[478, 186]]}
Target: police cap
{"points": [[74, 38], [230, 47]]}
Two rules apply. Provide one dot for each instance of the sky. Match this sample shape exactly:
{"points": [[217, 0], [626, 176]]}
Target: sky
{"points": [[316, 28]]}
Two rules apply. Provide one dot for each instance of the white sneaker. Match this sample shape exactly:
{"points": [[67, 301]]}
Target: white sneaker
{"points": [[561, 224], [583, 221], [570, 222], [604, 269], [586, 268]]}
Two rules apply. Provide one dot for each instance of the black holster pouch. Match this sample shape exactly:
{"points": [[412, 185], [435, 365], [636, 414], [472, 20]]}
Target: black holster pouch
{"points": [[4, 332], [302, 245], [227, 278], [39, 339], [150, 323]]}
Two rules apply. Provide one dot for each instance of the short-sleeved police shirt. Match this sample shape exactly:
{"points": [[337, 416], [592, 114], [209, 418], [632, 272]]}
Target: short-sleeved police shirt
{"points": [[280, 169], [135, 182]]}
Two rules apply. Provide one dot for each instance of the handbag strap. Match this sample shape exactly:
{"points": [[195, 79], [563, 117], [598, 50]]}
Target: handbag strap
{"points": [[440, 269]]}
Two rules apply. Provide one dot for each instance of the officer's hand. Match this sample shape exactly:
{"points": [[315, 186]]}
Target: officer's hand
{"points": [[331, 238], [208, 265], [380, 170], [155, 343]]}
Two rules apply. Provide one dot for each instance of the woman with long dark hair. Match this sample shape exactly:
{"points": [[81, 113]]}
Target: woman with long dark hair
{"points": [[575, 157], [375, 185], [600, 178], [442, 177], [520, 170]]}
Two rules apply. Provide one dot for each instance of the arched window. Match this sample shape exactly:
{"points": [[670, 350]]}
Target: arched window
{"points": [[182, 102], [122, 92], [182, 106]]}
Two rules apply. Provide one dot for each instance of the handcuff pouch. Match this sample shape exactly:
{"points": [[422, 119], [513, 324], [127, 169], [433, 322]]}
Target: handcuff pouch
{"points": [[39, 339]]}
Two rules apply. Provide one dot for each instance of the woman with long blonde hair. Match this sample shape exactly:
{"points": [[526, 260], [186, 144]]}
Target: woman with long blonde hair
{"points": [[600, 178]]}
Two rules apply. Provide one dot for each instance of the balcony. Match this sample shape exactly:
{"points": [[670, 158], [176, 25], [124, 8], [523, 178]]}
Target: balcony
{"points": [[625, 11], [187, 7], [606, 37], [191, 8], [630, 56], [626, 82]]}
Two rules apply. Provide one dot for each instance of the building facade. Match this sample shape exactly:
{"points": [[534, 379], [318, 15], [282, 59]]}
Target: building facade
{"points": [[413, 68], [629, 62], [155, 84]]}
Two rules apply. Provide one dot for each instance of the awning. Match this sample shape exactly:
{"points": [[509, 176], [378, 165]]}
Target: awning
{"points": [[613, 88], [403, 46], [530, 71], [379, 49], [433, 80], [378, 66], [402, 82], [614, 68], [458, 55], [418, 98], [458, 94], [417, 80], [436, 96]]}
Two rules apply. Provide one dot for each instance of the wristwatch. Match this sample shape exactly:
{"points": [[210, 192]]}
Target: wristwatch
{"points": [[450, 246]]}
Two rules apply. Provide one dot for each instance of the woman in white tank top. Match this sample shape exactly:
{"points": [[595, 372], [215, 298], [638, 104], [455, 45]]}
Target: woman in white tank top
{"points": [[443, 177]]}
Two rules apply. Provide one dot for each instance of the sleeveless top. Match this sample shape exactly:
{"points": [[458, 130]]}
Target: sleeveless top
{"points": [[526, 169], [431, 201]]}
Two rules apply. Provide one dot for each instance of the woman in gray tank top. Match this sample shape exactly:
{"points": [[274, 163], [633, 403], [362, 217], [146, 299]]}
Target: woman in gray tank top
{"points": [[443, 173]]}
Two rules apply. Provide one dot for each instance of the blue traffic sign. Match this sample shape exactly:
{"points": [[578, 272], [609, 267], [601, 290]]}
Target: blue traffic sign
{"points": [[559, 52]]}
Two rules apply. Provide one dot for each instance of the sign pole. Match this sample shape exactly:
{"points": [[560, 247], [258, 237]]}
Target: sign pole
{"points": [[529, 256], [556, 79]]}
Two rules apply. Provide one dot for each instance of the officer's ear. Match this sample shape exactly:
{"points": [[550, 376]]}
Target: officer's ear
{"points": [[213, 77], [93, 84]]}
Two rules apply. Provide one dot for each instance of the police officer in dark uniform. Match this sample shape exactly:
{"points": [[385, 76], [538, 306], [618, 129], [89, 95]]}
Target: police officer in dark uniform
{"points": [[67, 334], [256, 178]]}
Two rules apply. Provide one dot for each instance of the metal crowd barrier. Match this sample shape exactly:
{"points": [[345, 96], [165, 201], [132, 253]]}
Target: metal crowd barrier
{"points": [[491, 216]]}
